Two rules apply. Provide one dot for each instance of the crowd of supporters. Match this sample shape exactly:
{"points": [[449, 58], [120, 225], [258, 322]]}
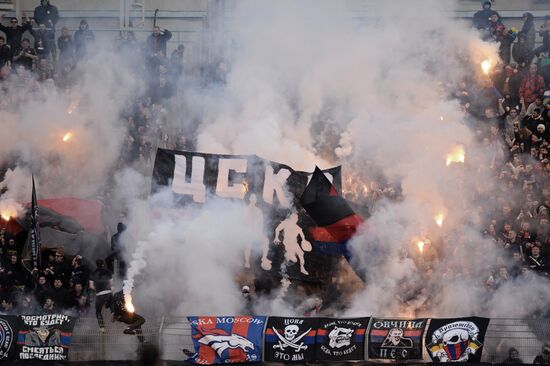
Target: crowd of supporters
{"points": [[36, 57], [510, 114]]}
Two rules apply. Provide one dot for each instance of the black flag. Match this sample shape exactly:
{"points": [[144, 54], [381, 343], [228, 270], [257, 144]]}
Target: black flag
{"points": [[35, 229]]}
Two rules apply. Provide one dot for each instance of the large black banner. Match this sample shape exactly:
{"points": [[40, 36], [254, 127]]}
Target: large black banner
{"points": [[341, 339], [198, 177], [290, 339], [271, 191], [396, 339], [44, 337], [8, 334], [456, 340]]}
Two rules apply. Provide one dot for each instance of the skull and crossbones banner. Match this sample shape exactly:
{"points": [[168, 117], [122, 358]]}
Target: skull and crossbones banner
{"points": [[456, 340], [341, 339], [290, 339], [396, 339]]}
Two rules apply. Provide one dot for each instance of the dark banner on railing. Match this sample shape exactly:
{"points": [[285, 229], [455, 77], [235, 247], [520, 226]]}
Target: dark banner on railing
{"points": [[456, 340], [8, 332], [227, 339], [396, 339], [44, 337], [341, 339], [290, 339]]}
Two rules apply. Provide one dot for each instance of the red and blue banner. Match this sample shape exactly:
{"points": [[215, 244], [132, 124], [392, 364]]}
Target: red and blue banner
{"points": [[396, 339], [341, 339], [44, 337], [227, 339], [290, 339]]}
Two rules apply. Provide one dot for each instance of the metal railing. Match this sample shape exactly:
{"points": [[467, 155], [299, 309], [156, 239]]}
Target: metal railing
{"points": [[173, 334]]}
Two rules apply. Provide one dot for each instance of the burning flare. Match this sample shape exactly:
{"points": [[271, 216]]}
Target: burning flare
{"points": [[441, 118], [10, 208], [245, 187], [486, 66], [72, 106], [420, 244], [456, 155], [128, 303], [439, 219], [67, 136]]}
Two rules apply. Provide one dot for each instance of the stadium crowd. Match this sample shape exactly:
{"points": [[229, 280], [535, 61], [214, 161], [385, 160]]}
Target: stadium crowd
{"points": [[509, 113]]}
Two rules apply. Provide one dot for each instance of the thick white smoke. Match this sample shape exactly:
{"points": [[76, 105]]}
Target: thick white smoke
{"points": [[307, 84]]}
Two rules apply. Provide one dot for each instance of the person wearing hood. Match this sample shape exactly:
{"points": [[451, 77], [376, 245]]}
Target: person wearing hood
{"points": [[521, 52], [528, 30], [46, 14], [481, 18], [82, 38]]}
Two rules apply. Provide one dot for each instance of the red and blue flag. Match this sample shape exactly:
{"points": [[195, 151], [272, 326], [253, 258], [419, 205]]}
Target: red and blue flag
{"points": [[335, 219], [227, 339]]}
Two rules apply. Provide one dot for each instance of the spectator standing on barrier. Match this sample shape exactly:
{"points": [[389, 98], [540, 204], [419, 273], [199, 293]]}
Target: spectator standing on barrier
{"points": [[544, 357], [14, 32], [156, 42], [101, 282], [121, 314], [481, 18], [83, 38], [46, 14], [513, 356]]}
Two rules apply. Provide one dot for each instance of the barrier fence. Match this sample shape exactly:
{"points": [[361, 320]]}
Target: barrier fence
{"points": [[173, 334]]}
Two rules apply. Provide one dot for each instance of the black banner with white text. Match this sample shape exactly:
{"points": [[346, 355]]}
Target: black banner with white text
{"points": [[44, 337]]}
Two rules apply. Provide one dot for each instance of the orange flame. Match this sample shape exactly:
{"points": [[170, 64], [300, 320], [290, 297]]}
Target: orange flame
{"points": [[439, 219], [456, 155], [486, 66], [128, 303], [67, 136], [420, 244]]}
